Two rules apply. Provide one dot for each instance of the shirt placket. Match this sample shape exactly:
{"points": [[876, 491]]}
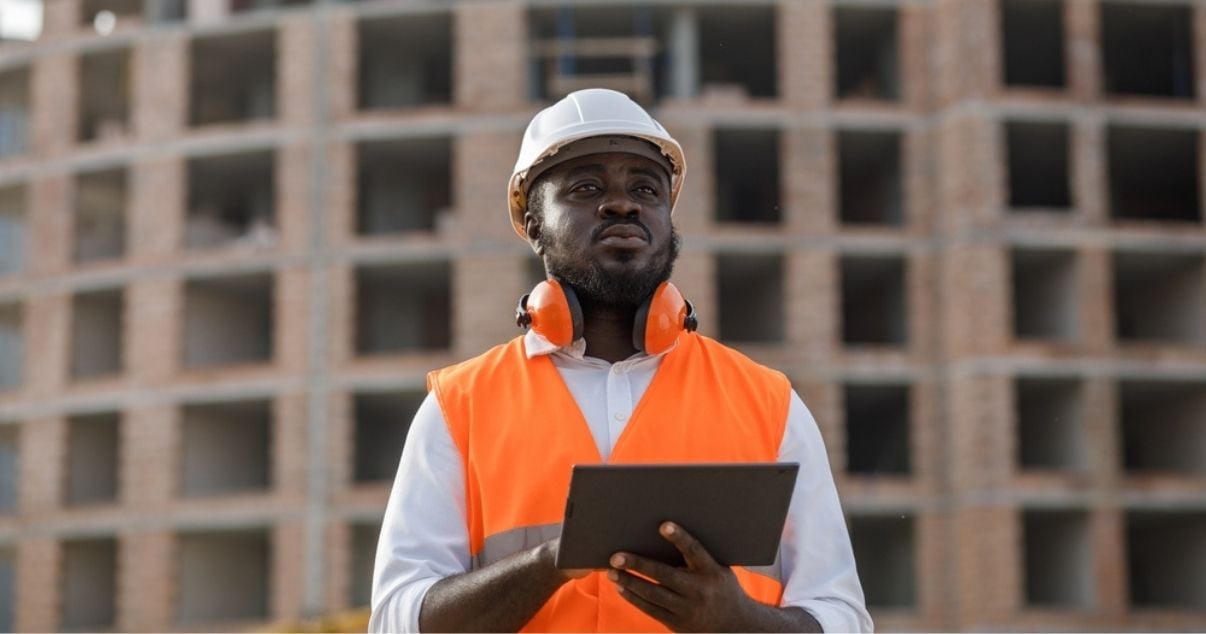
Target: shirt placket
{"points": [[619, 401]]}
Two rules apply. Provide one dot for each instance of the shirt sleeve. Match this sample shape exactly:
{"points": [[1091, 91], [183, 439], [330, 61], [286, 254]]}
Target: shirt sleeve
{"points": [[423, 536], [816, 559]]}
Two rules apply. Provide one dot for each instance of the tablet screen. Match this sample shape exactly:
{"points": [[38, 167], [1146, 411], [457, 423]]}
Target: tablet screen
{"points": [[735, 510]]}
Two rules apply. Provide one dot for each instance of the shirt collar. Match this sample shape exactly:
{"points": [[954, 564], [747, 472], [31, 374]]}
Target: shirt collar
{"points": [[536, 345]]}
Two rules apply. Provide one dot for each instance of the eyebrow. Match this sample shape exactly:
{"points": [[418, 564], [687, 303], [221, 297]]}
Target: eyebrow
{"points": [[595, 168]]}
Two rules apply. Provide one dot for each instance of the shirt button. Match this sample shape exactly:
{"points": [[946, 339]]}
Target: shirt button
{"points": [[621, 416]]}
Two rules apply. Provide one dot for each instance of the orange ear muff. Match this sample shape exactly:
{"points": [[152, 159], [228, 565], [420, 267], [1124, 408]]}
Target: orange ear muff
{"points": [[552, 310], [661, 319]]}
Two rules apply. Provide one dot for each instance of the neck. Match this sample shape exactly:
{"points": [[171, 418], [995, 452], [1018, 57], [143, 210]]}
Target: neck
{"points": [[608, 333]]}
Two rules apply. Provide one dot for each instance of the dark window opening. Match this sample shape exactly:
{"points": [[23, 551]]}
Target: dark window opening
{"points": [[871, 191], [1154, 174], [1045, 294], [1147, 49], [15, 121], [104, 102], [405, 61], [403, 185], [877, 429], [1050, 424], [873, 300], [1032, 32], [14, 231], [866, 51], [747, 176], [232, 201], [1059, 559], [1038, 165], [382, 420], [403, 308], [621, 48], [97, 334], [1163, 427], [737, 51], [89, 590], [750, 291], [887, 564], [1166, 559], [233, 78], [12, 346], [228, 321], [364, 553], [93, 445], [1160, 298], [226, 448], [100, 215], [222, 576]]}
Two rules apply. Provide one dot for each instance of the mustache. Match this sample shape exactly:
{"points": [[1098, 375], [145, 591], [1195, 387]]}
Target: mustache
{"points": [[594, 235]]}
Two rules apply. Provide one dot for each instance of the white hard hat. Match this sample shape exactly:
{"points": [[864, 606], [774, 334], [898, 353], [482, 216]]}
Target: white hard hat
{"points": [[585, 114]]}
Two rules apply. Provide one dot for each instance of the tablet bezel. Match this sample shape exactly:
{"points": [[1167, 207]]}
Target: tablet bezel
{"points": [[736, 510]]}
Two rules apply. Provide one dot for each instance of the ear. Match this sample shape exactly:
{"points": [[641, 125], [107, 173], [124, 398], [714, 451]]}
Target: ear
{"points": [[532, 227]]}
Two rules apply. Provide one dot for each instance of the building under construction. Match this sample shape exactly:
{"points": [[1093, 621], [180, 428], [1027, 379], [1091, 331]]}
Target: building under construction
{"points": [[236, 234]]}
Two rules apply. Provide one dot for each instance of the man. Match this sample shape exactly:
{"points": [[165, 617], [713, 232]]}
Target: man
{"points": [[470, 533]]}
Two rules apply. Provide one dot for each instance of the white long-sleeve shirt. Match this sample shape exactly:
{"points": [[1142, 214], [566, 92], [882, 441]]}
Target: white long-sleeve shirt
{"points": [[425, 538]]}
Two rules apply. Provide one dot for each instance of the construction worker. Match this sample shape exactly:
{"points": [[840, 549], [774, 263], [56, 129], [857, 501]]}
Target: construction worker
{"points": [[609, 370]]}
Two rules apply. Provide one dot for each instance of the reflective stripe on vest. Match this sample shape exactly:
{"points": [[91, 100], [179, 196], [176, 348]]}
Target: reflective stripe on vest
{"points": [[519, 432]]}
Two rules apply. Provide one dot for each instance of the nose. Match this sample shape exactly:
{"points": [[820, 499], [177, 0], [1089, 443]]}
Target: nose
{"points": [[618, 202]]}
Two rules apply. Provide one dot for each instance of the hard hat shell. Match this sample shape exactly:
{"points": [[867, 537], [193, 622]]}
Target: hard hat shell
{"points": [[592, 112]]}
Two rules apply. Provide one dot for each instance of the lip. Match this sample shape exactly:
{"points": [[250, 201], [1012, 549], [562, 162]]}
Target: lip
{"points": [[625, 233]]}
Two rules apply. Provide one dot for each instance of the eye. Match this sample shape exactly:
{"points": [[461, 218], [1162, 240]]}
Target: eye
{"points": [[587, 186], [647, 189]]}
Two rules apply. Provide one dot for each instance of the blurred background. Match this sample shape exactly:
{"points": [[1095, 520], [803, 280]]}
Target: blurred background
{"points": [[236, 234]]}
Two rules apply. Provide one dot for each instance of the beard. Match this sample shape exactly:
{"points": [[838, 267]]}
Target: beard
{"points": [[598, 288]]}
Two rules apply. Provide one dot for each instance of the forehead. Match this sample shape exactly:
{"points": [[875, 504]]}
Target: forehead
{"points": [[611, 164]]}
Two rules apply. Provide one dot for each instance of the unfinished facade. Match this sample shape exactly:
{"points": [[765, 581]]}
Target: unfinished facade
{"points": [[236, 234]]}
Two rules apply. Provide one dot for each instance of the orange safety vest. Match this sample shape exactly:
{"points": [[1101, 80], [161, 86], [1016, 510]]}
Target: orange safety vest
{"points": [[519, 432]]}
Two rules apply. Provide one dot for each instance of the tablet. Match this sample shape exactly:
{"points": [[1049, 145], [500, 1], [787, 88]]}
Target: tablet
{"points": [[735, 510]]}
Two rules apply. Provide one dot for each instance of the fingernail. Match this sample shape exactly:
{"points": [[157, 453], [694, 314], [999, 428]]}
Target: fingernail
{"points": [[617, 561], [668, 528]]}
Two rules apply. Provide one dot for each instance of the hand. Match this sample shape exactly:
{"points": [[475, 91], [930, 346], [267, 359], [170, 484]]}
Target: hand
{"points": [[702, 596]]}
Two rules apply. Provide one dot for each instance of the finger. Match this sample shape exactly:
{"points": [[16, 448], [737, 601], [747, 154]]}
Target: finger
{"points": [[667, 575], [652, 609], [653, 593], [696, 555]]}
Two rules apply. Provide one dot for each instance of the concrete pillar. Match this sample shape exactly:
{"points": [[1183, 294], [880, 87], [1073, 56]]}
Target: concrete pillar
{"points": [[490, 78], [38, 570], [805, 57], [1083, 49], [481, 164], [684, 53], [292, 321], [491, 284], [160, 86], [812, 304], [146, 581], [296, 61], [150, 454], [809, 179]]}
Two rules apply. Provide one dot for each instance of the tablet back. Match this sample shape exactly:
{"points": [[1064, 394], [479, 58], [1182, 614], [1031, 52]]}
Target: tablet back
{"points": [[735, 510]]}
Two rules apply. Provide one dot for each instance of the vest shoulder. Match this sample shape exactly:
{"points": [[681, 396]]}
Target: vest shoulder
{"points": [[713, 348], [485, 362]]}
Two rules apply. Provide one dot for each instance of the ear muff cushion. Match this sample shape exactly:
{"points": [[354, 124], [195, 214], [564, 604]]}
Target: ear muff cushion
{"points": [[665, 315], [555, 316]]}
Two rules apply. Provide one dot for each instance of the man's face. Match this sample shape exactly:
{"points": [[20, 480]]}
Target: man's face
{"points": [[605, 227]]}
